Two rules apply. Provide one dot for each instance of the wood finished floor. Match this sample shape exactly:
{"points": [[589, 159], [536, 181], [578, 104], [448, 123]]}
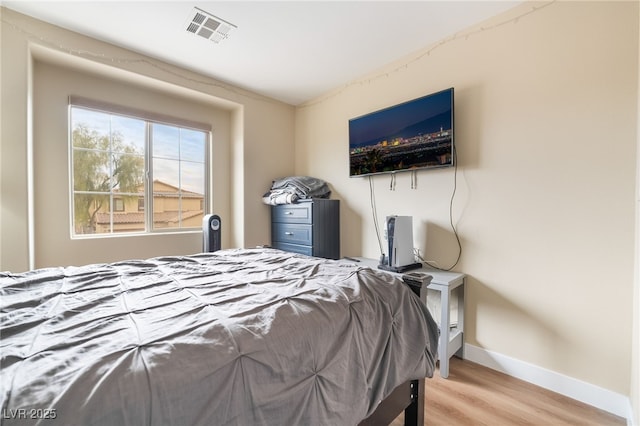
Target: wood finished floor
{"points": [[476, 395]]}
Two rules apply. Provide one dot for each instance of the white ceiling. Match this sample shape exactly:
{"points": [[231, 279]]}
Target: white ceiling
{"points": [[292, 51]]}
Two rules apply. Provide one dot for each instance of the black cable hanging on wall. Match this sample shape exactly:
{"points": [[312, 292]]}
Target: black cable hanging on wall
{"points": [[453, 227], [414, 185]]}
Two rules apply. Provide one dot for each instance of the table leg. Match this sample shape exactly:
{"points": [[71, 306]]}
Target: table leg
{"points": [[443, 350], [460, 293]]}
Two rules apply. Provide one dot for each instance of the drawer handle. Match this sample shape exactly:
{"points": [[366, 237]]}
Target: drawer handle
{"points": [[288, 212], [288, 233]]}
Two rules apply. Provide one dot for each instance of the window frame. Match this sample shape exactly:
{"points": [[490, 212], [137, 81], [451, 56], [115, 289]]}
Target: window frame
{"points": [[149, 118]]}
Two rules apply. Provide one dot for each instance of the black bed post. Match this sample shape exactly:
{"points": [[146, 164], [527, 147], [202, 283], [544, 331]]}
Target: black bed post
{"points": [[414, 413]]}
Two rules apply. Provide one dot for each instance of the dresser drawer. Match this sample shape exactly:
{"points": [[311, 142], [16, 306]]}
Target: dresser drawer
{"points": [[294, 248], [293, 213], [292, 233]]}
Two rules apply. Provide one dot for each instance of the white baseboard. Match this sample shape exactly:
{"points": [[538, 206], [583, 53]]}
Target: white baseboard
{"points": [[601, 398]]}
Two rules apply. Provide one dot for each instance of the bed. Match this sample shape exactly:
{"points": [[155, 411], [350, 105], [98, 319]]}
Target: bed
{"points": [[235, 337]]}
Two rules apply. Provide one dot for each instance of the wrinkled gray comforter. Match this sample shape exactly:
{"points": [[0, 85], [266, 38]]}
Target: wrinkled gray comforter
{"points": [[235, 337]]}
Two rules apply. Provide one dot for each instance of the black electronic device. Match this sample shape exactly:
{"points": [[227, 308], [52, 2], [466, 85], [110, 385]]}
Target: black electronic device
{"points": [[212, 233], [418, 281], [398, 269], [417, 277]]}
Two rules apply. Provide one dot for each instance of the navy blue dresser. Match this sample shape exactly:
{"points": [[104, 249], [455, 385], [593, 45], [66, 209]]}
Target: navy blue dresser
{"points": [[310, 227]]}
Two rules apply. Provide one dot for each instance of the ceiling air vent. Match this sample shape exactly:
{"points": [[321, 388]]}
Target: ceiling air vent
{"points": [[208, 26]]}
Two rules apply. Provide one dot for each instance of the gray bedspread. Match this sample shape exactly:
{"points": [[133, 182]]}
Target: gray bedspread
{"points": [[235, 337]]}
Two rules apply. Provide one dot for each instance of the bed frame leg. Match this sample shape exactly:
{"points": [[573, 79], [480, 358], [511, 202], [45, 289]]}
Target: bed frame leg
{"points": [[414, 413]]}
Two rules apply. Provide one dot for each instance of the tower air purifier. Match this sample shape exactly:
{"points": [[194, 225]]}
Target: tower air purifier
{"points": [[211, 233]]}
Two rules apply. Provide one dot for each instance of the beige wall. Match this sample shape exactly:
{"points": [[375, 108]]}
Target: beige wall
{"points": [[544, 208], [52, 86], [546, 139], [42, 65]]}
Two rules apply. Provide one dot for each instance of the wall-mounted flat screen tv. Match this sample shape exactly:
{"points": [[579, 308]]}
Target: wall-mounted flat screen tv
{"points": [[414, 135]]}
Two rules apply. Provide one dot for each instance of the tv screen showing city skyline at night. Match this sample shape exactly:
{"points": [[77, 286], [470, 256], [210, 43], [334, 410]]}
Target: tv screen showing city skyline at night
{"points": [[417, 134]]}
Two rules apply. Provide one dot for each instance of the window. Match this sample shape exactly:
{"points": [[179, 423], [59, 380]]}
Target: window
{"points": [[118, 205], [135, 173]]}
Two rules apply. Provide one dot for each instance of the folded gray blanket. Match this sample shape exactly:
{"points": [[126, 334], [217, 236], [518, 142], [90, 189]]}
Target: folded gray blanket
{"points": [[290, 189]]}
